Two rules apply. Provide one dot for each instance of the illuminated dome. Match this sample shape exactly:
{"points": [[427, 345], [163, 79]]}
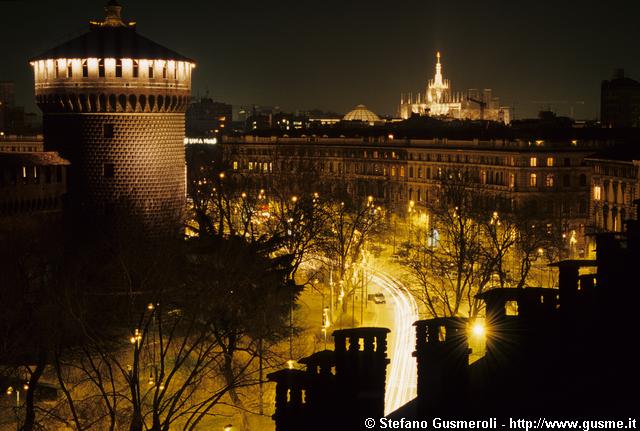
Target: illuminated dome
{"points": [[361, 113]]}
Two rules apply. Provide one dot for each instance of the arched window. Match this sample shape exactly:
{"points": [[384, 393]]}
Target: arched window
{"points": [[118, 68], [132, 102], [101, 68]]}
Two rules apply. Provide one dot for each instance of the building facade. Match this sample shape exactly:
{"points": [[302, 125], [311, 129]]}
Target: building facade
{"points": [[33, 188], [439, 100], [549, 182], [113, 104], [615, 185]]}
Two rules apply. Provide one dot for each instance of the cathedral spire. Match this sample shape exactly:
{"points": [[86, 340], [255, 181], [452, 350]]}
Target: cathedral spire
{"points": [[438, 77]]}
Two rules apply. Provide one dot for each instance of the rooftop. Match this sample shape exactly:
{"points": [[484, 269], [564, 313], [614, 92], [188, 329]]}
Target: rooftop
{"points": [[112, 38], [41, 158]]}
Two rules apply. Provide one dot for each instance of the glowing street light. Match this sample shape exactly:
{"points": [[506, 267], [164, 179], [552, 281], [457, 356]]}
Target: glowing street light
{"points": [[478, 329]]}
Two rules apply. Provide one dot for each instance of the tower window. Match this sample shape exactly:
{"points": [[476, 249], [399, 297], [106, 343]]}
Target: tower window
{"points": [[101, 68], [108, 131], [108, 170], [135, 68], [118, 68], [85, 69]]}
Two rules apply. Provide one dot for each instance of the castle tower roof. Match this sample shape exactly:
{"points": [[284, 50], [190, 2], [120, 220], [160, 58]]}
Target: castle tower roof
{"points": [[112, 38]]}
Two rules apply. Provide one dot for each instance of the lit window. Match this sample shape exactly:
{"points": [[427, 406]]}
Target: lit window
{"points": [[512, 180], [393, 171], [533, 161], [597, 193], [533, 180], [402, 171], [250, 166], [419, 172], [511, 308], [235, 165], [549, 181], [549, 161]]}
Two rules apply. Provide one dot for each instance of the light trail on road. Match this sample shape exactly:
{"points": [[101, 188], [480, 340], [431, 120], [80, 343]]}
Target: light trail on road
{"points": [[401, 386]]}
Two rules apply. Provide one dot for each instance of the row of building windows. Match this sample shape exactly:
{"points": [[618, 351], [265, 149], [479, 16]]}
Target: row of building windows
{"points": [[534, 161], [617, 193], [485, 177], [549, 180], [31, 175], [65, 69], [29, 205]]}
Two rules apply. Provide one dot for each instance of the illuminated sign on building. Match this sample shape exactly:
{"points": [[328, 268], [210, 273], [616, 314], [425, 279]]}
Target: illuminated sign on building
{"points": [[208, 141]]}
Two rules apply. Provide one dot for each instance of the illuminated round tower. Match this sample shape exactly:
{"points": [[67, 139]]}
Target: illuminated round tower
{"points": [[113, 104]]}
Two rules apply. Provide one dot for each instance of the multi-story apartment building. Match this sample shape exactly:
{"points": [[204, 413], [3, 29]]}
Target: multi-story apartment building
{"points": [[615, 185], [33, 182], [547, 181]]}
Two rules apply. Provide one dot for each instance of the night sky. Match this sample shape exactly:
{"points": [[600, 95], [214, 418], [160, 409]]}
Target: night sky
{"points": [[335, 54]]}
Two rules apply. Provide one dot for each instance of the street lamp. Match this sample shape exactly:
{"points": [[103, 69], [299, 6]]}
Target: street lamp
{"points": [[411, 205], [10, 392]]}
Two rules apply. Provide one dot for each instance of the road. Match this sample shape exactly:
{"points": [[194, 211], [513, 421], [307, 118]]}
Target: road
{"points": [[398, 314]]}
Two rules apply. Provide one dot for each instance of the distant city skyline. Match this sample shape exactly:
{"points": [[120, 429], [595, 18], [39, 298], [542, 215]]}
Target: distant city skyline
{"points": [[333, 56]]}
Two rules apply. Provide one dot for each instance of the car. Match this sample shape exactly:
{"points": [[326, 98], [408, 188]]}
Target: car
{"points": [[379, 298]]}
